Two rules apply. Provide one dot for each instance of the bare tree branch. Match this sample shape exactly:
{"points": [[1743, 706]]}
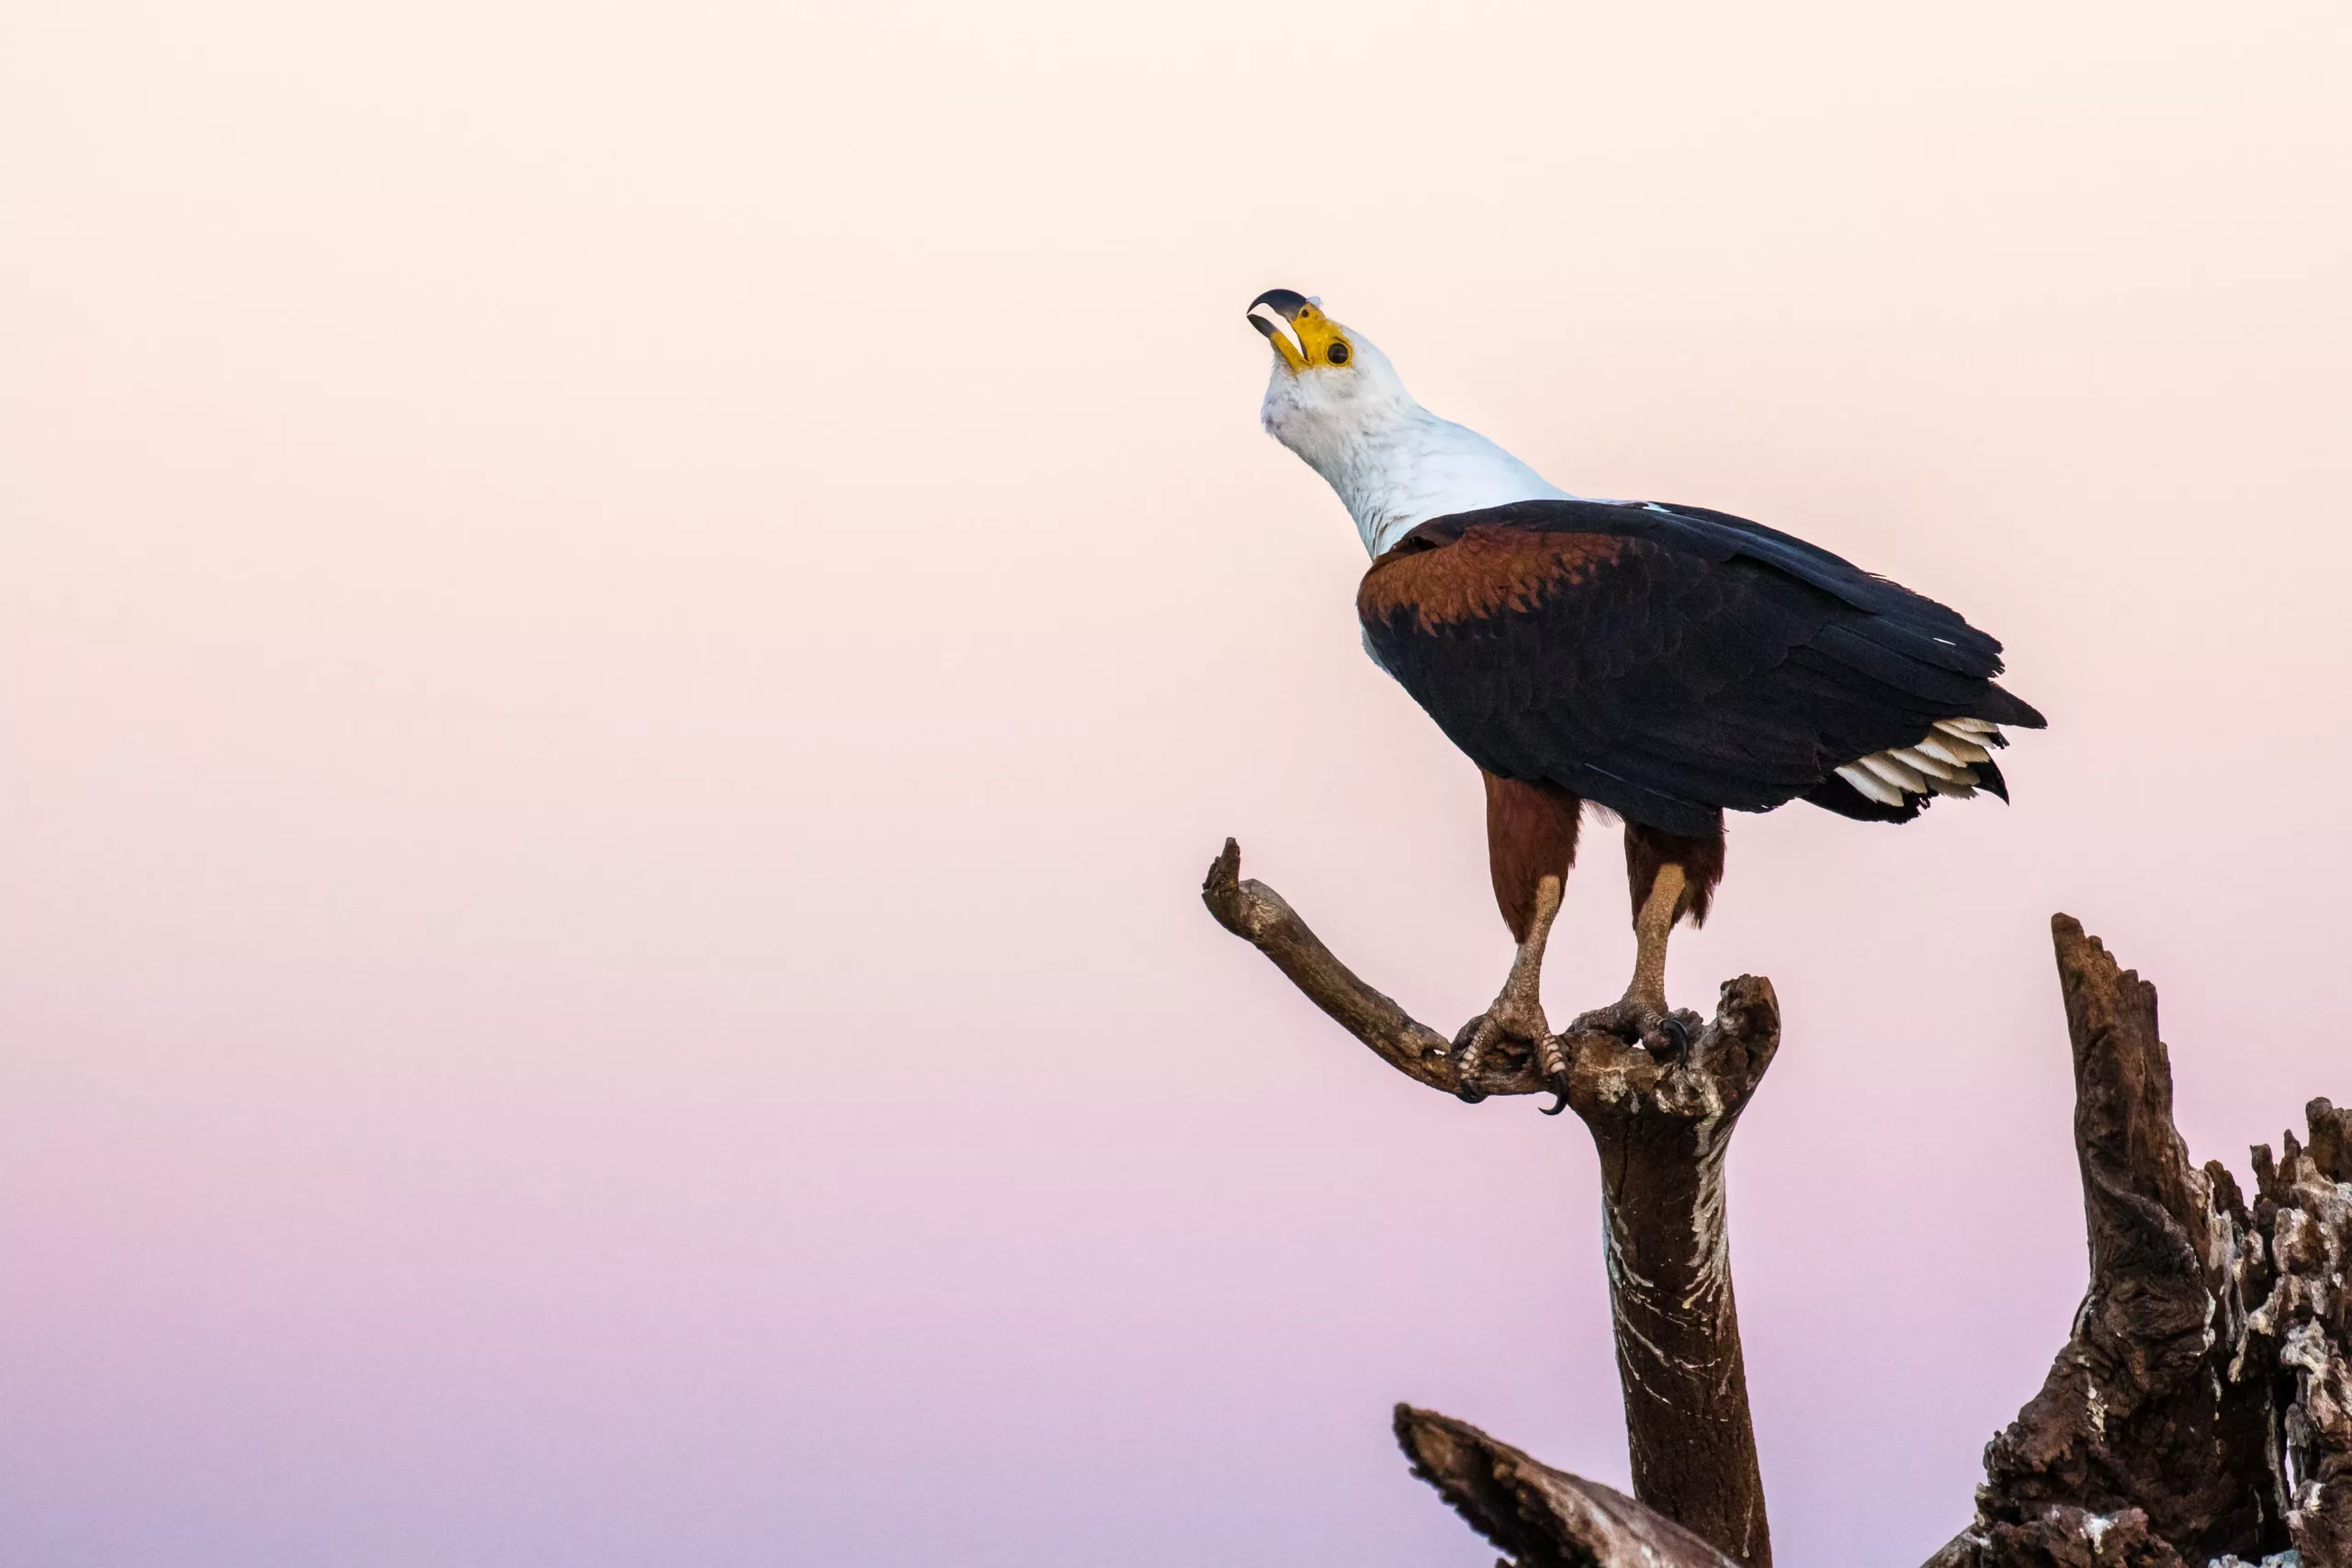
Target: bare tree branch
{"points": [[1661, 1127], [1543, 1518], [1261, 917]]}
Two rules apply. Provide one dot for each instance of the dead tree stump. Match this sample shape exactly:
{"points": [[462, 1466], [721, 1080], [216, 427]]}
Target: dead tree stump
{"points": [[2199, 1410]]}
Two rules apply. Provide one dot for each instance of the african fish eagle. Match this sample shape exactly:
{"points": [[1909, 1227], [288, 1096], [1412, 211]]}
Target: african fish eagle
{"points": [[1666, 662]]}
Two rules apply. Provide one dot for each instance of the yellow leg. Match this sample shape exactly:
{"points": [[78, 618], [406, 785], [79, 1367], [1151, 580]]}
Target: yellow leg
{"points": [[1518, 1006], [1522, 991], [1642, 1014], [1652, 927]]}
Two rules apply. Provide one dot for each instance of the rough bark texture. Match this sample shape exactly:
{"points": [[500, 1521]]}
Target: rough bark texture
{"points": [[1542, 1517], [2299, 1330], [1661, 1128], [1260, 915], [2199, 1410]]}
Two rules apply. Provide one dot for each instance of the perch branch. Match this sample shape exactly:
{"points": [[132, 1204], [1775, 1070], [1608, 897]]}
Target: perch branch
{"points": [[1263, 917], [1661, 1127]]}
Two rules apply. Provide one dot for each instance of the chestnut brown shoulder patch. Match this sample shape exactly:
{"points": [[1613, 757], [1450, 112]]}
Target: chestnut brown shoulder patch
{"points": [[1490, 569]]}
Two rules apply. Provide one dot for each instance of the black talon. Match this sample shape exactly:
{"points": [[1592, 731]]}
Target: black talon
{"points": [[1676, 1033], [1465, 1077], [1552, 1068]]}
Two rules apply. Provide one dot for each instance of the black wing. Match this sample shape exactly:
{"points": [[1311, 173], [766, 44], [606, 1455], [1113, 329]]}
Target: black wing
{"points": [[1667, 661]]}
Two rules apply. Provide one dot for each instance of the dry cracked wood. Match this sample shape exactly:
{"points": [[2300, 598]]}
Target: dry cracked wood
{"points": [[2199, 1409], [2300, 1327], [1543, 1518], [1661, 1128]]}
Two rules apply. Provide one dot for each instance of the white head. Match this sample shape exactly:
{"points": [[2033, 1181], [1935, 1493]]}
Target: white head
{"points": [[1329, 386], [1334, 399]]}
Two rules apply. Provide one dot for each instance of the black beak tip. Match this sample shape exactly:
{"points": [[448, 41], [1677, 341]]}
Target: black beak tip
{"points": [[1266, 329], [1288, 302]]}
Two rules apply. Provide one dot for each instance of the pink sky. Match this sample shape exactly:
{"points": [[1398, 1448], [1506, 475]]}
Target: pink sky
{"points": [[625, 631]]}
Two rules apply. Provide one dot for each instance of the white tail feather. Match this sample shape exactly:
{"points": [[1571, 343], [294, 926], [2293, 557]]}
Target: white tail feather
{"points": [[1903, 778], [1918, 760], [1871, 786], [1941, 762], [1952, 749]]}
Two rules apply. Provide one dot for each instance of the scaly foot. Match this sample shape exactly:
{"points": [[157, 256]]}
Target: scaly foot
{"points": [[1646, 1021], [1516, 1015]]}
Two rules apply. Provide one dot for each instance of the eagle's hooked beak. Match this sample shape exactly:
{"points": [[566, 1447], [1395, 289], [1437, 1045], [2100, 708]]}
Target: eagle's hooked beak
{"points": [[1297, 328]]}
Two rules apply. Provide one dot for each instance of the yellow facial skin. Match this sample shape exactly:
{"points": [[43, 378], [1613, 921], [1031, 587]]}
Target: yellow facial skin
{"points": [[1321, 340], [1319, 335]]}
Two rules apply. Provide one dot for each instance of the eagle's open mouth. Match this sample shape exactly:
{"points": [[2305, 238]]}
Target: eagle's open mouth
{"points": [[1272, 327], [1272, 314]]}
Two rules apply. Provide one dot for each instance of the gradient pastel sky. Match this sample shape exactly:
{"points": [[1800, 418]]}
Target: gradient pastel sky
{"points": [[625, 630]]}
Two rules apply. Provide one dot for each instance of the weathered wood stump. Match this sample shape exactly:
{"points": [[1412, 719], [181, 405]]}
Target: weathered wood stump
{"points": [[2197, 1410]]}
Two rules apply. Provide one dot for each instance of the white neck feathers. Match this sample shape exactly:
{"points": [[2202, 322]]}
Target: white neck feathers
{"points": [[1394, 464]]}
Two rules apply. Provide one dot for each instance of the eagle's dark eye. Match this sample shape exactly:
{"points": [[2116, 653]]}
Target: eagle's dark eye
{"points": [[1337, 354]]}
